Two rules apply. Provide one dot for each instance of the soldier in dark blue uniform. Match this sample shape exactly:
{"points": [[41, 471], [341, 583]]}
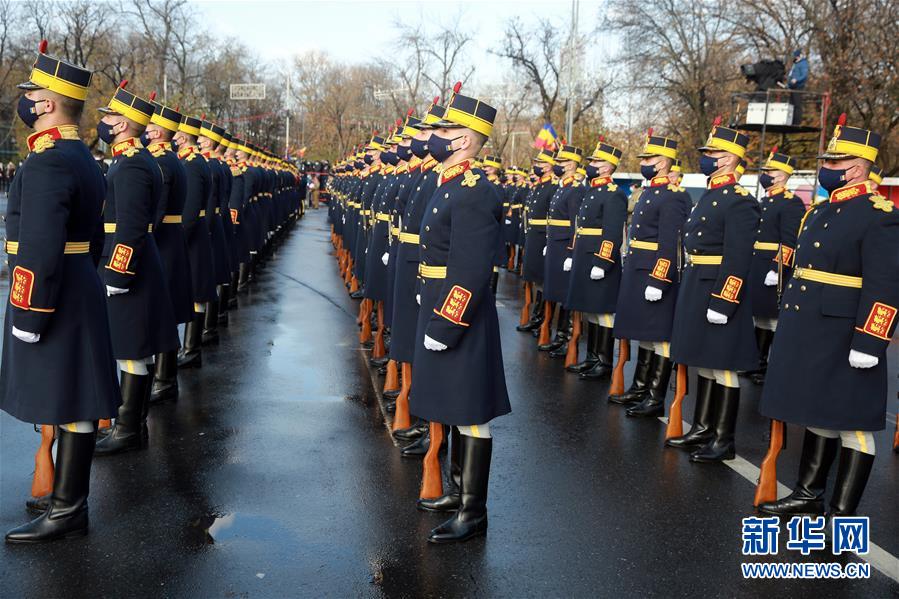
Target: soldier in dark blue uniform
{"points": [[226, 151], [56, 314], [713, 320], [141, 316], [241, 186], [595, 264], [828, 369], [563, 207], [781, 214], [371, 178], [199, 238], [169, 235], [536, 207], [652, 269], [459, 378]]}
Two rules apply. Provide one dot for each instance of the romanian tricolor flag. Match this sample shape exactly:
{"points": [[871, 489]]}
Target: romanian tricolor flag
{"points": [[547, 138]]}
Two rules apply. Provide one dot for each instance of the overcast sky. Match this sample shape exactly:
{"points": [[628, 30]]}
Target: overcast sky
{"points": [[355, 31]]}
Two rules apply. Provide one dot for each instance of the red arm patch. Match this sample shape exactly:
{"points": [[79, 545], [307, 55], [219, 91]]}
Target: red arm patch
{"points": [[234, 216], [731, 289], [788, 255], [455, 304], [121, 259], [605, 250], [879, 322], [21, 288], [660, 270]]}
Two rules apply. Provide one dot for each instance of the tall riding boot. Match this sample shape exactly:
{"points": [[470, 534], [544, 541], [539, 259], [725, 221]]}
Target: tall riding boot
{"points": [[592, 357], [639, 389], [471, 518], [413, 432], [449, 501], [232, 290], [243, 276], [536, 315], [126, 433], [418, 448], [165, 383], [210, 323], [191, 355], [562, 323], [654, 403], [722, 446], [564, 333], [807, 497], [145, 408], [494, 282], [223, 294], [605, 349], [701, 430], [852, 476], [763, 338], [67, 513]]}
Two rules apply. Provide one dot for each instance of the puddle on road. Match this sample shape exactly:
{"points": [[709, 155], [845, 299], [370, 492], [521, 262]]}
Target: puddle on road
{"points": [[222, 529]]}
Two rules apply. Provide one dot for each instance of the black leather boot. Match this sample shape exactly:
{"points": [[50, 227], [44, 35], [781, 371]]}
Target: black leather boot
{"points": [[126, 432], [232, 290], [605, 349], [413, 432], [379, 362], [536, 315], [418, 448], [654, 402], [391, 394], [145, 407], [701, 430], [243, 276], [852, 476], [494, 282], [721, 447], [190, 355], [165, 383], [563, 332], [449, 501], [210, 323], [807, 497], [639, 389], [592, 357], [763, 338], [66, 514], [471, 518], [559, 341], [223, 295]]}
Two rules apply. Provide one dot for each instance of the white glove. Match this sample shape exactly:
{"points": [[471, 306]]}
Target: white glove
{"points": [[385, 258], [544, 250], [433, 344], [715, 317], [857, 359], [111, 291], [596, 273], [653, 294], [566, 266], [771, 279], [508, 222], [35, 337], [418, 298]]}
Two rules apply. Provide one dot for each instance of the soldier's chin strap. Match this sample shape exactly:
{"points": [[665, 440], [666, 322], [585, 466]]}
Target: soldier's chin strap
{"points": [[861, 441], [478, 431]]}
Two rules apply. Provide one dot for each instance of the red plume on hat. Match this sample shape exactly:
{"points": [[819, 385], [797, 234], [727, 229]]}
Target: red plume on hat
{"points": [[649, 133], [436, 100], [410, 112], [717, 121], [842, 120], [123, 83], [152, 95], [42, 47]]}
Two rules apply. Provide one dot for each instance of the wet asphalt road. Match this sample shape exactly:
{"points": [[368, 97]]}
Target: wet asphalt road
{"points": [[274, 476]]}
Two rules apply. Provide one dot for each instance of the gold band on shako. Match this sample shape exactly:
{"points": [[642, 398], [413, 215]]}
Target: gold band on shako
{"points": [[376, 143], [724, 139], [851, 141], [567, 152], [607, 152], [494, 161], [464, 111], [433, 115], [677, 167], [778, 161], [130, 106], [58, 76], [190, 125], [165, 117], [876, 174], [545, 157], [657, 145], [226, 139], [411, 127], [207, 129]]}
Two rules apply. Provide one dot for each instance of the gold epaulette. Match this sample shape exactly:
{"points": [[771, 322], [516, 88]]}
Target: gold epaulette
{"points": [[789, 195], [741, 190], [881, 203], [673, 187]]}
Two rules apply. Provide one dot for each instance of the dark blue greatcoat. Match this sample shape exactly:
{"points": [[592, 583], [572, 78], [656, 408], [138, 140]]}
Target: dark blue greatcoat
{"points": [[196, 229], [781, 214], [658, 219], [237, 208], [405, 288], [70, 373], [141, 321], [563, 208], [809, 380], [723, 223], [464, 384], [378, 243], [370, 184], [221, 264], [604, 207], [536, 208], [406, 178], [169, 233]]}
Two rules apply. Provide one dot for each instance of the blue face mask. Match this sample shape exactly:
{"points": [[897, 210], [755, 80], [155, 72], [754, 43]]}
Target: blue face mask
{"points": [[368, 159], [441, 148], [648, 171], [766, 180], [419, 148], [104, 132], [708, 165], [558, 170], [27, 111], [538, 170], [592, 171], [403, 152], [174, 145], [145, 141], [831, 179]]}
